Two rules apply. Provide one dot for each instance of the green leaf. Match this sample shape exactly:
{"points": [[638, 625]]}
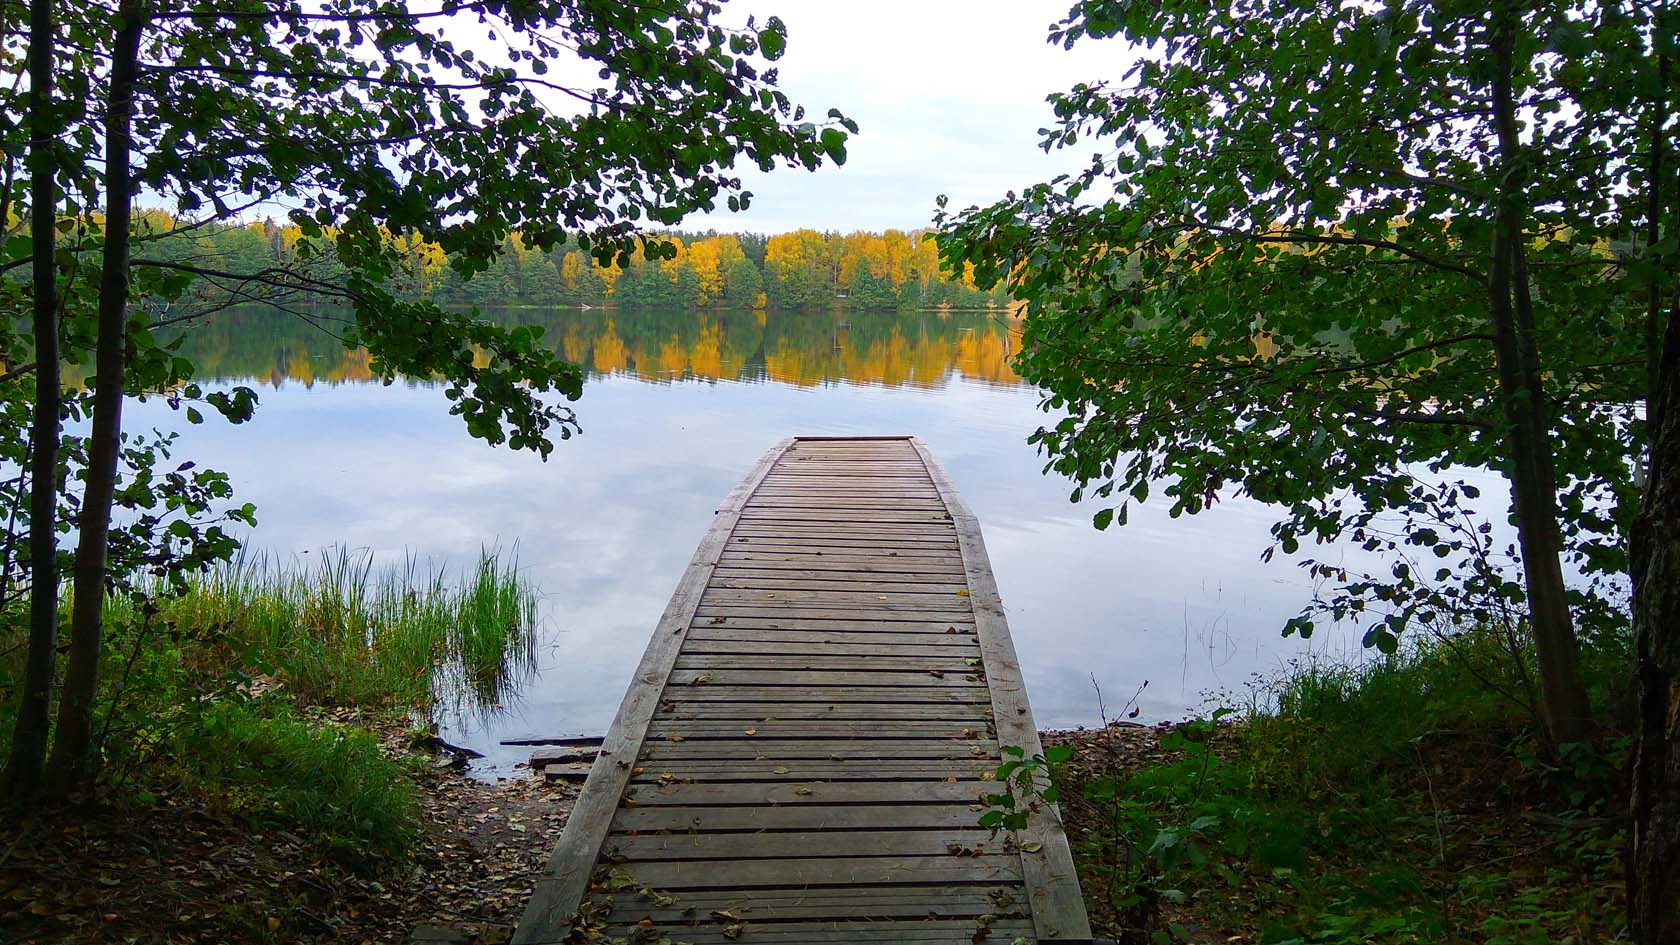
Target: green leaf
{"points": [[772, 40]]}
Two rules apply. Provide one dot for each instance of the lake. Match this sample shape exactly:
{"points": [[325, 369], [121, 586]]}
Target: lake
{"points": [[677, 408]]}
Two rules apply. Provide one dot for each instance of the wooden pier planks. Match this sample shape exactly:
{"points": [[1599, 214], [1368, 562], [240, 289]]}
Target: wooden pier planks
{"points": [[803, 750]]}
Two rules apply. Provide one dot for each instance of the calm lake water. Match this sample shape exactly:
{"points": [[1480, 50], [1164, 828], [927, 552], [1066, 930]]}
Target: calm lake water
{"points": [[677, 409]]}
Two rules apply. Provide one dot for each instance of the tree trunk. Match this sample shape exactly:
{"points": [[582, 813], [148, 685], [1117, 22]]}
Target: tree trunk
{"points": [[1653, 861], [1563, 697], [71, 741], [1654, 858], [29, 734]]}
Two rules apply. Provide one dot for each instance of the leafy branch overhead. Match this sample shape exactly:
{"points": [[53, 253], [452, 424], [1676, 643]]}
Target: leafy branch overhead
{"points": [[377, 123], [1274, 276], [1322, 255]]}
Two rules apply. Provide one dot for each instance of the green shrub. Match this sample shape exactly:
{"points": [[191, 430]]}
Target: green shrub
{"points": [[322, 780], [1392, 801]]}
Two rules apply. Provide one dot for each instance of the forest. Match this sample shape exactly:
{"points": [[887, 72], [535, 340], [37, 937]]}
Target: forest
{"points": [[803, 269]]}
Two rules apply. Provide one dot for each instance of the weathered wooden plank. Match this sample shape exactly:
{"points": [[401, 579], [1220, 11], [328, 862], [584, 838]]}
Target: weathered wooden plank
{"points": [[825, 577], [883, 551], [800, 585], [826, 659], [803, 499], [674, 877], [832, 843], [813, 817], [920, 597], [566, 876], [882, 547], [847, 472], [573, 771], [850, 537], [553, 740], [958, 624], [811, 792], [880, 902], [836, 693], [959, 931], [801, 679], [1058, 908], [857, 617], [814, 730], [736, 639], [839, 508], [555, 756], [896, 519], [781, 750], [881, 542], [896, 932], [775, 770], [850, 466], [873, 601], [814, 564], [855, 527], [801, 487], [971, 714]]}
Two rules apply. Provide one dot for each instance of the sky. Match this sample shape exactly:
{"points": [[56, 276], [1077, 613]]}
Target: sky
{"points": [[949, 97]]}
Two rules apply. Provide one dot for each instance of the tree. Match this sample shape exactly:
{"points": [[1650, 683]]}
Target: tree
{"points": [[29, 739], [1654, 856], [743, 284], [368, 120], [1348, 247], [1653, 863]]}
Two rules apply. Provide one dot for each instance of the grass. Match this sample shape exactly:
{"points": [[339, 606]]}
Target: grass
{"points": [[1404, 800], [240, 690], [342, 633], [329, 781]]}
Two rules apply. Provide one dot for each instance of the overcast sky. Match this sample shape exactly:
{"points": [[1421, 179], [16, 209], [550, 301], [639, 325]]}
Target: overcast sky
{"points": [[948, 96]]}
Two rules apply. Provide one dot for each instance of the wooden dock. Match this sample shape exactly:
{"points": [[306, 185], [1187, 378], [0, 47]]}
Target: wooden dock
{"points": [[804, 749]]}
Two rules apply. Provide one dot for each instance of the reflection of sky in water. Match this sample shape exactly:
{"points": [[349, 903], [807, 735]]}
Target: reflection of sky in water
{"points": [[605, 527]]}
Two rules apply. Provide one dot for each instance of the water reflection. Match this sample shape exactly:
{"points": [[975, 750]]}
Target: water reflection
{"points": [[678, 408], [805, 349]]}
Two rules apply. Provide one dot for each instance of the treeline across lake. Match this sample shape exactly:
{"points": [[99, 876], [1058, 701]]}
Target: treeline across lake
{"points": [[804, 269], [802, 348]]}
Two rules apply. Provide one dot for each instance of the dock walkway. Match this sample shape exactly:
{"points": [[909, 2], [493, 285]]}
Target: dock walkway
{"points": [[803, 751]]}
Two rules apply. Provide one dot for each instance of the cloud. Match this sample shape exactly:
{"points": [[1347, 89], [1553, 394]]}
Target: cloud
{"points": [[949, 97]]}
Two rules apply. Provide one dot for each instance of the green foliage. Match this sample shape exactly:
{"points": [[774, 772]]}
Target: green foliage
{"points": [[1272, 278], [205, 681], [1389, 802], [325, 780], [1026, 781]]}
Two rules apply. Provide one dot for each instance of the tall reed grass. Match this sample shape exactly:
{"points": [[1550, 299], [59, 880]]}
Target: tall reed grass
{"points": [[346, 632]]}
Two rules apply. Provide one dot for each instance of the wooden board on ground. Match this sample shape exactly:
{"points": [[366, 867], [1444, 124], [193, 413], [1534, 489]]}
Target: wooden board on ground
{"points": [[805, 751]]}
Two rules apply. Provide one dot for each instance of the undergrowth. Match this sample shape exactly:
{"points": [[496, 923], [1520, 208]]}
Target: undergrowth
{"points": [[329, 781], [1404, 800], [242, 689]]}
